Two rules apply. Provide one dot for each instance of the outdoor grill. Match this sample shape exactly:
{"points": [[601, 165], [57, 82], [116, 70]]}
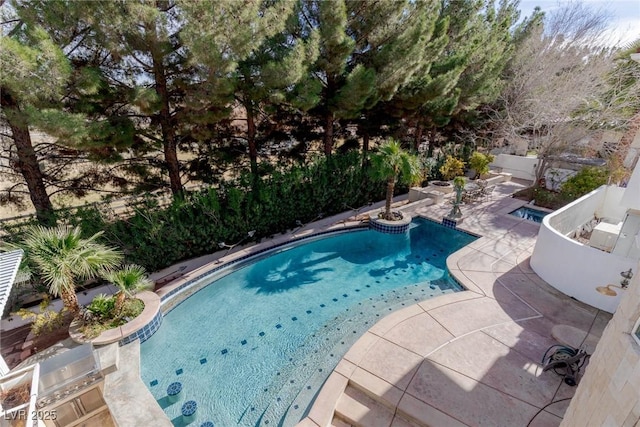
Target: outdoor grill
{"points": [[67, 374]]}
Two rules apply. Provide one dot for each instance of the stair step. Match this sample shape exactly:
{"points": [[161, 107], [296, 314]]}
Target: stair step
{"points": [[337, 422], [358, 409], [376, 388]]}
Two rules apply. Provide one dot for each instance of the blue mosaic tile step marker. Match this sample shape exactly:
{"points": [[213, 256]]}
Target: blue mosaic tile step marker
{"points": [[179, 371], [243, 342], [322, 305], [261, 334], [225, 351], [294, 318], [335, 299], [189, 411], [308, 311], [278, 326], [174, 388], [153, 383], [203, 361]]}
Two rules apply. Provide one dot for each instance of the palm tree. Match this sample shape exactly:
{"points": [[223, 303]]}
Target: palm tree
{"points": [[391, 163], [62, 257], [130, 279]]}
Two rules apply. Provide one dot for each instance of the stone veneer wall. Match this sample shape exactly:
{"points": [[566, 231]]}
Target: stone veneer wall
{"points": [[609, 393]]}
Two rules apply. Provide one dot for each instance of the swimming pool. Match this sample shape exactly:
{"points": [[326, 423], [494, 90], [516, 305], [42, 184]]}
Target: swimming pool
{"points": [[254, 347], [530, 214]]}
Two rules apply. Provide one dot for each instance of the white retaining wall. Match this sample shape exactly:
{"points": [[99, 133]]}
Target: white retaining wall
{"points": [[571, 267], [518, 166]]}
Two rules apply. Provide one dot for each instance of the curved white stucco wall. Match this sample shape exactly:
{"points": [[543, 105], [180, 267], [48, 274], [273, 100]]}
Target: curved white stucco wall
{"points": [[571, 267]]}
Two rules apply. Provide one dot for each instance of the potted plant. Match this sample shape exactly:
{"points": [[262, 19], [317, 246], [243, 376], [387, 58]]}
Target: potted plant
{"points": [[480, 162], [390, 164]]}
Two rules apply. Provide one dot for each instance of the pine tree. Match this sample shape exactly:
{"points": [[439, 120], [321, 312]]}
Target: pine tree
{"points": [[368, 50], [242, 52], [266, 78], [34, 72], [90, 128], [490, 47], [462, 67], [148, 66]]}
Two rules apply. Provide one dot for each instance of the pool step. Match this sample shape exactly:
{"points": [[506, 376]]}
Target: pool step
{"points": [[359, 410], [337, 422]]}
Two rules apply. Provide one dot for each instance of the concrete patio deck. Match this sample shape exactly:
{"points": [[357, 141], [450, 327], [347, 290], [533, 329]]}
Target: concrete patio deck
{"points": [[466, 359]]}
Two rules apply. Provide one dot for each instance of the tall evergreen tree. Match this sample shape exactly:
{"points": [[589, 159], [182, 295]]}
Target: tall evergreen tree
{"points": [[34, 73], [242, 53], [148, 65], [368, 50], [472, 46], [86, 130], [490, 47], [267, 76]]}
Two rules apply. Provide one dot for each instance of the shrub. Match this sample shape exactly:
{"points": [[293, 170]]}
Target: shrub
{"points": [[158, 236], [428, 166], [47, 320], [480, 163], [585, 181], [101, 314], [451, 168], [102, 306]]}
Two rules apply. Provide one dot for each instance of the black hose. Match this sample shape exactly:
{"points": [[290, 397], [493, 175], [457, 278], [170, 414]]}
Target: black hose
{"points": [[545, 407]]}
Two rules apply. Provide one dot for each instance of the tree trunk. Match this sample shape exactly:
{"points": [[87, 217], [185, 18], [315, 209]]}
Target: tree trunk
{"points": [[328, 133], [70, 301], [432, 144], [364, 131], [365, 141], [168, 133], [251, 140], [418, 136], [27, 164], [120, 298], [391, 182]]}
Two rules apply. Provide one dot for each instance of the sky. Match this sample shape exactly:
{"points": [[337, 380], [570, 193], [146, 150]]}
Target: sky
{"points": [[625, 15]]}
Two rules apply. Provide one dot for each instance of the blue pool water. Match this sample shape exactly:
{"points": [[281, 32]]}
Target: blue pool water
{"points": [[530, 214], [253, 347]]}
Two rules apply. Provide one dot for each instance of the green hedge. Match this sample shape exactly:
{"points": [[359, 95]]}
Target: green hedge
{"points": [[156, 237]]}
